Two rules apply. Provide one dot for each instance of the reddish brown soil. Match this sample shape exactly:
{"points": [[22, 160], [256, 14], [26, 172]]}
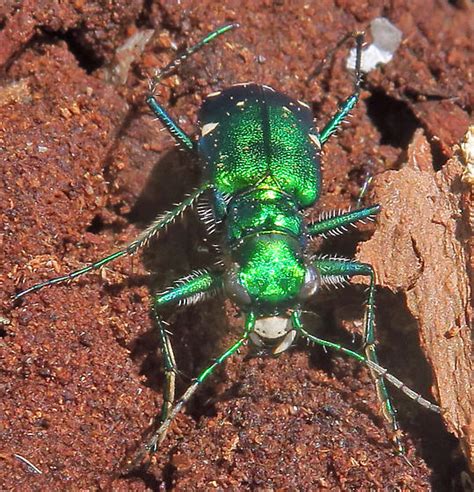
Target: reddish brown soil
{"points": [[85, 167]]}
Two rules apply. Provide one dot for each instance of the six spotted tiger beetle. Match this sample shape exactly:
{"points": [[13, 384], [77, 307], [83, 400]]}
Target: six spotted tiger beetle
{"points": [[260, 155]]}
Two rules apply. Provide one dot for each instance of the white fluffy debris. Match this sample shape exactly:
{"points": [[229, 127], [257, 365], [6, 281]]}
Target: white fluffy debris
{"points": [[386, 40], [125, 55], [467, 148]]}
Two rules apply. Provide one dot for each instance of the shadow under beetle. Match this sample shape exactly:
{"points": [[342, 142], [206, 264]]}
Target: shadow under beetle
{"points": [[260, 155]]}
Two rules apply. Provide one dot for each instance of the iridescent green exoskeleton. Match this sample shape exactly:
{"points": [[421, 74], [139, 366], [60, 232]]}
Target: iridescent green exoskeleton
{"points": [[260, 155]]}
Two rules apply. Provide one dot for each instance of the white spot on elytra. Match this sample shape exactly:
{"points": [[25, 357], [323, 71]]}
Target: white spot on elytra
{"points": [[303, 104], [315, 140], [208, 127], [240, 103], [214, 94]]}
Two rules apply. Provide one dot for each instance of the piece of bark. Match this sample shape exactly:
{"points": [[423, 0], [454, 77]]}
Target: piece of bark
{"points": [[419, 249]]}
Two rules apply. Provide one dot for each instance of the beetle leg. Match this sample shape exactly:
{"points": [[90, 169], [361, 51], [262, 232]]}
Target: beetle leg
{"points": [[333, 224], [169, 366], [346, 107], [337, 270], [152, 230], [160, 112], [159, 434], [379, 371], [175, 130], [190, 289]]}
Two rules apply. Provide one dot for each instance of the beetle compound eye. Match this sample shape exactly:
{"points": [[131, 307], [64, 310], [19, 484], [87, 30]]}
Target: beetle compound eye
{"points": [[235, 290], [311, 282]]}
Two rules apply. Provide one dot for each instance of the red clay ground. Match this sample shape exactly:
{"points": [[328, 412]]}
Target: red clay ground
{"points": [[85, 167]]}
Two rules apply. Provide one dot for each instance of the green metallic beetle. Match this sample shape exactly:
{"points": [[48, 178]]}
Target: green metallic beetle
{"points": [[260, 155]]}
